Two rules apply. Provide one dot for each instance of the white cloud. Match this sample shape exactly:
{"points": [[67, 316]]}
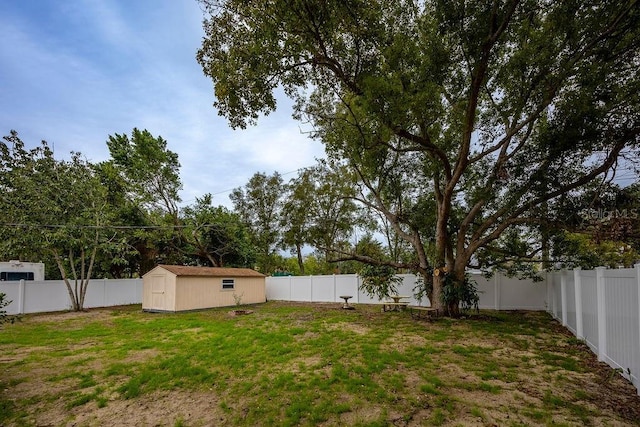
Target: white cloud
{"points": [[77, 71]]}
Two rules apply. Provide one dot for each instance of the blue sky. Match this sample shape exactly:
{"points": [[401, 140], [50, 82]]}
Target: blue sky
{"points": [[73, 72]]}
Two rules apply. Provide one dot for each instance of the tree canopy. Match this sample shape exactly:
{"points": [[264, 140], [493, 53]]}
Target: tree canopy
{"points": [[53, 208], [500, 107], [259, 204], [215, 236], [150, 170]]}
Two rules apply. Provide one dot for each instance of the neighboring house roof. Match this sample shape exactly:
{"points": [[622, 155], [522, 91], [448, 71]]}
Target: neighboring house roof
{"points": [[184, 270]]}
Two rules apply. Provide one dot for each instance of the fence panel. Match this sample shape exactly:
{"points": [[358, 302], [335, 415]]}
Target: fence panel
{"points": [[14, 293], [516, 294], [550, 278], [487, 291], [301, 288], [500, 292], [279, 288], [409, 283], [347, 284], [323, 289], [623, 336], [50, 295], [589, 308], [108, 292], [570, 302]]}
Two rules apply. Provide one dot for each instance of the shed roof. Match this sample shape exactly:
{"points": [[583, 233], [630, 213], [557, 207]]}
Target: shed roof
{"points": [[184, 270]]}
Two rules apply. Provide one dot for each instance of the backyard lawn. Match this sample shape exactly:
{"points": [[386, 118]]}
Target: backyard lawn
{"points": [[303, 364]]}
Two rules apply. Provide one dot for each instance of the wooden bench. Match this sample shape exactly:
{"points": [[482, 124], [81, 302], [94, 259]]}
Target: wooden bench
{"points": [[417, 311], [391, 306]]}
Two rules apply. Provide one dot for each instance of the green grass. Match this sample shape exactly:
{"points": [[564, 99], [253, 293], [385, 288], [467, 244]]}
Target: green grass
{"points": [[299, 364]]}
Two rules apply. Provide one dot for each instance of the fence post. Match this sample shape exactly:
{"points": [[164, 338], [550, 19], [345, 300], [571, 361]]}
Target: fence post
{"points": [[563, 298], [548, 285], [638, 349], [496, 291], [290, 288], [577, 278], [21, 296], [311, 289], [554, 295], [602, 314]]}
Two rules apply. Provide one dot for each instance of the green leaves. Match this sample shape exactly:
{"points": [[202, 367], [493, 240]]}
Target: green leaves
{"points": [[259, 204], [462, 121], [52, 208], [216, 236], [379, 280], [149, 171]]}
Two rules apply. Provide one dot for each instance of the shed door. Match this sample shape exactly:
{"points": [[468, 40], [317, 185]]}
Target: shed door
{"points": [[158, 293]]}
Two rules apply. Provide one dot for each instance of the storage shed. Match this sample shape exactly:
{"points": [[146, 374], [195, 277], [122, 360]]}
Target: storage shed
{"points": [[181, 288]]}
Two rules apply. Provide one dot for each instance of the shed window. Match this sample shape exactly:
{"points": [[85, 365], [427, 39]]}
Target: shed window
{"points": [[228, 283]]}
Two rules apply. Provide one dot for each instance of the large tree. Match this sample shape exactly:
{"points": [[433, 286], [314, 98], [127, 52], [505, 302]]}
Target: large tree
{"points": [[296, 216], [150, 169], [215, 236], [259, 204], [130, 252], [505, 105], [319, 210], [53, 208], [144, 175]]}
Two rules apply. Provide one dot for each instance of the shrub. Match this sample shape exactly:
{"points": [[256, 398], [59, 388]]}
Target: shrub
{"points": [[4, 317]]}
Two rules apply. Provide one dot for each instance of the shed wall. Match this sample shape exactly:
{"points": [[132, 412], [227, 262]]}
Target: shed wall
{"points": [[193, 293]]}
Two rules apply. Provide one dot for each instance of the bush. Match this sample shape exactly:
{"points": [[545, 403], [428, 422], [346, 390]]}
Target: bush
{"points": [[379, 280], [464, 294], [4, 317]]}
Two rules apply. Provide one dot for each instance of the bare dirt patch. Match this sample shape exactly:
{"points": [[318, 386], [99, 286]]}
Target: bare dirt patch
{"points": [[518, 385], [348, 327], [95, 315], [156, 409], [401, 341]]}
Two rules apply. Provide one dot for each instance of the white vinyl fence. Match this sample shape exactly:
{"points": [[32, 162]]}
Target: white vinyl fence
{"points": [[498, 292], [601, 307], [51, 295]]}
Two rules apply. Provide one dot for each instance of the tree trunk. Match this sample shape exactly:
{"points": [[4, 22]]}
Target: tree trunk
{"points": [[63, 273], [147, 257], [440, 269], [300, 260], [84, 284], [436, 294]]}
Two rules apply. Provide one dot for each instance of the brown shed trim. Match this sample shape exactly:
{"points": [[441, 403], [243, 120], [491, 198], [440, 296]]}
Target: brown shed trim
{"points": [[184, 270]]}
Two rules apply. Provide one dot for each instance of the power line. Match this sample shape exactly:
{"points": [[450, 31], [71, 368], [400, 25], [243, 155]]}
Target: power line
{"points": [[103, 227]]}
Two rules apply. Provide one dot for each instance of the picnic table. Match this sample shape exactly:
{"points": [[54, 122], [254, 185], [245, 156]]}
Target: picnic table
{"points": [[397, 303], [398, 298]]}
